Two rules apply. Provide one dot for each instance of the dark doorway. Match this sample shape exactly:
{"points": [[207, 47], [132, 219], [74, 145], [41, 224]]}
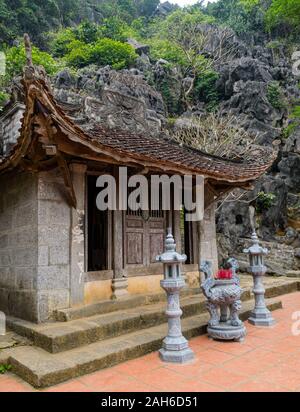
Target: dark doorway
{"points": [[186, 229], [97, 230]]}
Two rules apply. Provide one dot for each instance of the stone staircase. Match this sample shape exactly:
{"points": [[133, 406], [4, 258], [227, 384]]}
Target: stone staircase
{"points": [[101, 335]]}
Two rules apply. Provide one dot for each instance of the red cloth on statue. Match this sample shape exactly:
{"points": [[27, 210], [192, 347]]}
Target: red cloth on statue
{"points": [[224, 274]]}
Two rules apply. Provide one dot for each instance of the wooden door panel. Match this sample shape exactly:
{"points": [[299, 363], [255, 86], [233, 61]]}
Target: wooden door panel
{"points": [[156, 245], [134, 249], [144, 239]]}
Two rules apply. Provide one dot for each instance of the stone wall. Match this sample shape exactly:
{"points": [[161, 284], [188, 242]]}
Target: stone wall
{"points": [[18, 245], [54, 222], [34, 246]]}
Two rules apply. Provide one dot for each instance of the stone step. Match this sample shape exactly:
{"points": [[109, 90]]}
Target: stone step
{"points": [[293, 274], [42, 369], [59, 337], [108, 306]]}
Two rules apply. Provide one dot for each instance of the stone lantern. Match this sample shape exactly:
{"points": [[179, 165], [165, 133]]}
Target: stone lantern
{"points": [[175, 346], [260, 316]]}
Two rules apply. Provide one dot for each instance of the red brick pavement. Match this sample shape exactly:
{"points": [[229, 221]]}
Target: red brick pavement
{"points": [[267, 361]]}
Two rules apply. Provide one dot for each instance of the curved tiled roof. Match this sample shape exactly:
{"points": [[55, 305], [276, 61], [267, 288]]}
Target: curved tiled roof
{"points": [[167, 151], [162, 153]]}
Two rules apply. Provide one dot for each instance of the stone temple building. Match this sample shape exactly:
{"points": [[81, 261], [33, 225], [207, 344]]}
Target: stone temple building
{"points": [[57, 250]]}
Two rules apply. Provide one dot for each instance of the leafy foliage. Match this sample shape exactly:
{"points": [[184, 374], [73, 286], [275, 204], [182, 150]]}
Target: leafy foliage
{"points": [[287, 11], [205, 88], [237, 15], [35, 17], [111, 52], [264, 201], [277, 12], [38, 17], [4, 369], [275, 96], [4, 97], [103, 52], [16, 58]]}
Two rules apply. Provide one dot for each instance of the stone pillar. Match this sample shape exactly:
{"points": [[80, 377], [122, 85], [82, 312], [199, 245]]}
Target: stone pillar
{"points": [[120, 281], [176, 230], [77, 239], [208, 237]]}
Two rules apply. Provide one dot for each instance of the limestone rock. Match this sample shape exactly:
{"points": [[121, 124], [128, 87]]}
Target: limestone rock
{"points": [[117, 99]]}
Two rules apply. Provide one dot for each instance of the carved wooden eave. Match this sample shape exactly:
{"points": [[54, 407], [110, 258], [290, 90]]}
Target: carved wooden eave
{"points": [[49, 138]]}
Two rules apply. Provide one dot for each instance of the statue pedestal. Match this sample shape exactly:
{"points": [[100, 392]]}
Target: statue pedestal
{"points": [[223, 303], [225, 331]]}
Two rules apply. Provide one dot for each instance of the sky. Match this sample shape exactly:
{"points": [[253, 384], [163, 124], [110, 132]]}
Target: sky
{"points": [[187, 2]]}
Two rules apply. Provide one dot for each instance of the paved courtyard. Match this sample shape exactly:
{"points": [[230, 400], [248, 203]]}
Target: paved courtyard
{"points": [[268, 360]]}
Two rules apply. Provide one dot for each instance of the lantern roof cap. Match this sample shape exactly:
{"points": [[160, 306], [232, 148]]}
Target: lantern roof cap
{"points": [[170, 255], [255, 248]]}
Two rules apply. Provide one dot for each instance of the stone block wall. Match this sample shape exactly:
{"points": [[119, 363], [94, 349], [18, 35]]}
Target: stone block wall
{"points": [[54, 226], [18, 245], [34, 246]]}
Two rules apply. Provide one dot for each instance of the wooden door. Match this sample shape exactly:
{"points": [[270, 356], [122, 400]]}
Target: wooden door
{"points": [[144, 237]]}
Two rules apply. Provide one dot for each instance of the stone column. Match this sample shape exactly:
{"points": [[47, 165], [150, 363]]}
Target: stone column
{"points": [[120, 280], [78, 171], [176, 230]]}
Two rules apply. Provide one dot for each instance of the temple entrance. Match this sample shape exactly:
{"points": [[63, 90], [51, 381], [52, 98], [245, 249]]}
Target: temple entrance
{"points": [[97, 225]]}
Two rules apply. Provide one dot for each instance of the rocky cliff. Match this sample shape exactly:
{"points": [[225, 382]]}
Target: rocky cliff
{"points": [[255, 83]]}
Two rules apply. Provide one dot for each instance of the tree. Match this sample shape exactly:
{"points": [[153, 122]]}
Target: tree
{"points": [[216, 134], [277, 12], [287, 11], [182, 29], [243, 16]]}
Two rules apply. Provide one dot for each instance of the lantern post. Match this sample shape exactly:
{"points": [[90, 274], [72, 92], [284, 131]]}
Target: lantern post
{"points": [[175, 347], [260, 315]]}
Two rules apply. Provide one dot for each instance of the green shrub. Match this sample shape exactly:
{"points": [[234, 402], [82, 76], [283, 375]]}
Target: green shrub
{"points": [[205, 88], [4, 369], [113, 53], [296, 113], [167, 50], [104, 52], [264, 201], [4, 97], [16, 59], [87, 32], [275, 96], [60, 42], [79, 54], [114, 28]]}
